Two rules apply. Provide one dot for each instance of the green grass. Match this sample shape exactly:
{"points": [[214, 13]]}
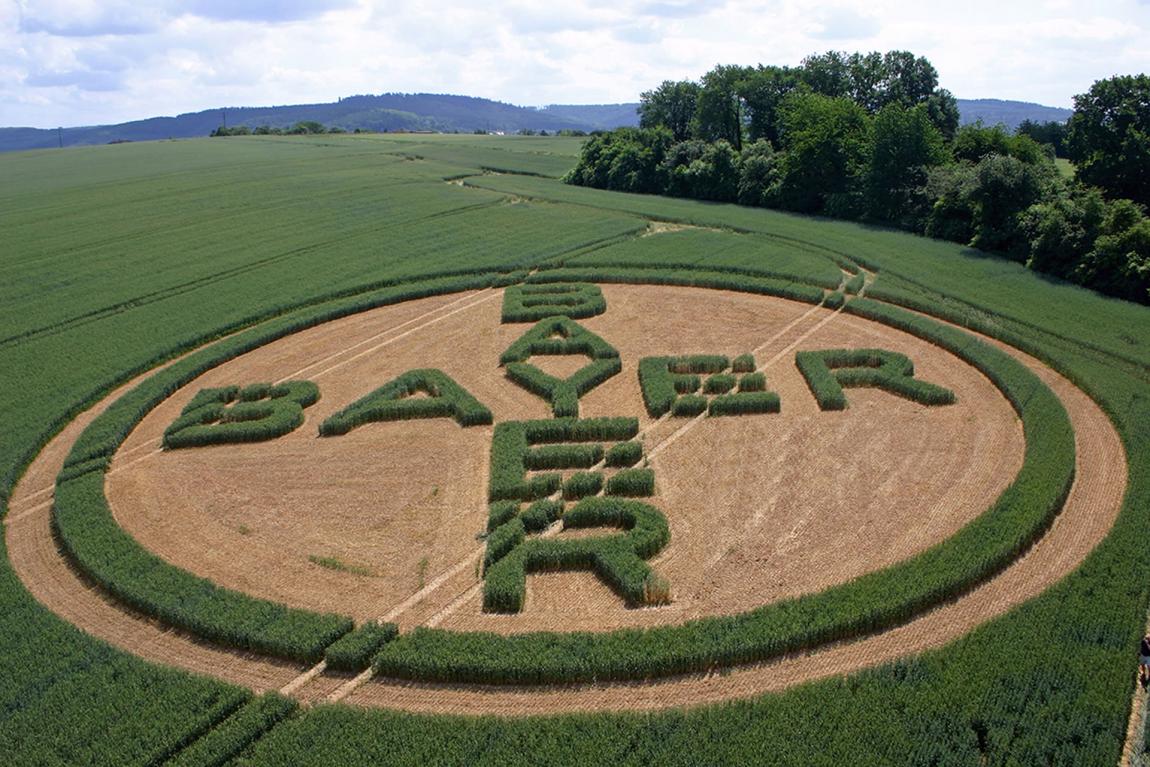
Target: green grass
{"points": [[118, 257]]}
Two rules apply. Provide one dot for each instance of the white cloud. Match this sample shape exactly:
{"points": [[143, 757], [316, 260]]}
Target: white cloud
{"points": [[87, 61]]}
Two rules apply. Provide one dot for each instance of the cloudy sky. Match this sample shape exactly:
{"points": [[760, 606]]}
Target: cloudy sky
{"points": [[84, 62]]}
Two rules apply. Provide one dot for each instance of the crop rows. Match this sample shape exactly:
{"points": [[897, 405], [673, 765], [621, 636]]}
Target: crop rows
{"points": [[226, 740], [230, 414], [532, 303], [394, 402], [354, 650], [828, 371], [669, 384], [869, 603]]}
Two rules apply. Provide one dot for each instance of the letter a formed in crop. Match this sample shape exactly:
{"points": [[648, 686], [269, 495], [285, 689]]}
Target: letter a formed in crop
{"points": [[560, 336], [829, 371], [231, 414], [395, 401]]}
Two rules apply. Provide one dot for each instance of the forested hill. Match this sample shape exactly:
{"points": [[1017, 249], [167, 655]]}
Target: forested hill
{"points": [[421, 111]]}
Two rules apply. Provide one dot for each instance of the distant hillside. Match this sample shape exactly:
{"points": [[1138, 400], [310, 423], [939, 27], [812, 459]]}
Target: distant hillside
{"points": [[1009, 113], [387, 112], [424, 112]]}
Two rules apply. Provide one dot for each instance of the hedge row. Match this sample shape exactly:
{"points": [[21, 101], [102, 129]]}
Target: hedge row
{"points": [[828, 371], [579, 455], [226, 740], [230, 414], [869, 603], [539, 515], [393, 402], [515, 442], [624, 454], [558, 336], [632, 483], [582, 484], [750, 382], [855, 283], [114, 560], [355, 649], [618, 558], [689, 405], [744, 363], [719, 383], [744, 403], [531, 303]]}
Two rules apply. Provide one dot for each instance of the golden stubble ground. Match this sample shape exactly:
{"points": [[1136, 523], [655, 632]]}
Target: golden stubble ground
{"points": [[752, 501]]}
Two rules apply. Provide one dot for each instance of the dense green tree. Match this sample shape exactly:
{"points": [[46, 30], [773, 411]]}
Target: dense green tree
{"points": [[1006, 187], [1052, 133], [1109, 136], [626, 160], [905, 145], [1119, 261], [719, 108], [703, 171], [826, 145], [759, 173], [942, 107], [1062, 228], [672, 105], [762, 91]]}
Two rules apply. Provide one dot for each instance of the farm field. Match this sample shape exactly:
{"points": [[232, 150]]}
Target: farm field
{"points": [[806, 586]]}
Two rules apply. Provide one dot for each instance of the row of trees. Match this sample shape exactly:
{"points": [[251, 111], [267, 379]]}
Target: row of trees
{"points": [[302, 128], [872, 138]]}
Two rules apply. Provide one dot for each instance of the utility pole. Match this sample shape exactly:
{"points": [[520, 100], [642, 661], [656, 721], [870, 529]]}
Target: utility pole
{"points": [[60, 136]]}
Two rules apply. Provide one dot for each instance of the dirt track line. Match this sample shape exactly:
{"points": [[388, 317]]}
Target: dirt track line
{"points": [[380, 334], [674, 437], [462, 598], [303, 678], [1092, 506], [401, 336]]}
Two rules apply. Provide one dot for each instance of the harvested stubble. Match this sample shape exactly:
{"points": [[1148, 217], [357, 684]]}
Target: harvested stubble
{"points": [[868, 603]]}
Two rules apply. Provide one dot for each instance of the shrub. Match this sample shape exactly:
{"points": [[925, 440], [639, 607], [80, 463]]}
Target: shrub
{"points": [[624, 454], [827, 372], [532, 303], [633, 483], [394, 402], [230, 414], [354, 650]]}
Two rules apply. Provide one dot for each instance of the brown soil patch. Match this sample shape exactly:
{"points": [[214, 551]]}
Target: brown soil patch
{"points": [[751, 500]]}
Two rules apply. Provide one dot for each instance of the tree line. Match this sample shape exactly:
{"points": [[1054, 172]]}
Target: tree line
{"points": [[871, 137]]}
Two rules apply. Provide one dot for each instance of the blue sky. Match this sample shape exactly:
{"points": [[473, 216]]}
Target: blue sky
{"points": [[83, 62]]}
